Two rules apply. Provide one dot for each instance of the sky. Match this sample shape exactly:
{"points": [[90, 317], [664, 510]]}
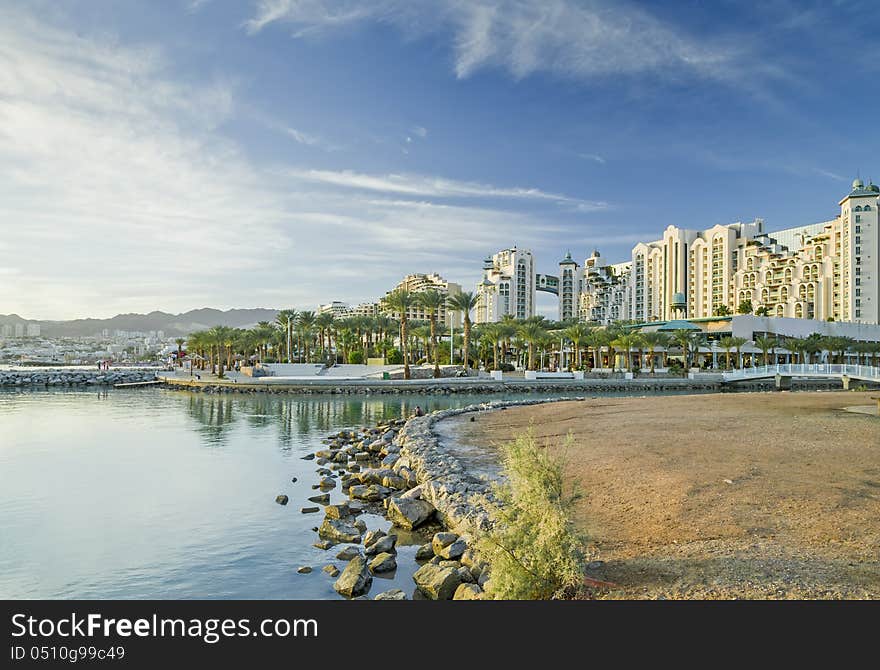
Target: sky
{"points": [[177, 154]]}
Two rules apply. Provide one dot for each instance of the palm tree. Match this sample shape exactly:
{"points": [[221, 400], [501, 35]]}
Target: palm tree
{"points": [[305, 324], [736, 344], [285, 320], [683, 340], [653, 341], [595, 340], [179, 342], [765, 344], [797, 346], [399, 302], [432, 300], [464, 302], [531, 333], [324, 322], [626, 342], [576, 333], [726, 343]]}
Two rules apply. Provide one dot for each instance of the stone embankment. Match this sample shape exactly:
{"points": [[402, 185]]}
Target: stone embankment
{"points": [[62, 377], [400, 468]]}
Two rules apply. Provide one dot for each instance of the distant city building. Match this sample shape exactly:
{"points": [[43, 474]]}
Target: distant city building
{"points": [[418, 283], [338, 309], [6, 330], [33, 330], [508, 286], [19, 330], [365, 309]]}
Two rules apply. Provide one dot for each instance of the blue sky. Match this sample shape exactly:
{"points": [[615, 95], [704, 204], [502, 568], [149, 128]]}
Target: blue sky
{"points": [[178, 154]]}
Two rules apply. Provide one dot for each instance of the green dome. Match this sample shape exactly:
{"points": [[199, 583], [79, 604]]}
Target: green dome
{"points": [[857, 183], [678, 300]]}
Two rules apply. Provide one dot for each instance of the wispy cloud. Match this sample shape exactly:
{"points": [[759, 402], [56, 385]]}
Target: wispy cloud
{"points": [[829, 174], [427, 186], [596, 158], [574, 39], [420, 131]]}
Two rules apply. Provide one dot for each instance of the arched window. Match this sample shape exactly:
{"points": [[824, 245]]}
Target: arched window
{"points": [[857, 209], [788, 275], [779, 310], [818, 251], [799, 311], [811, 291], [802, 291], [765, 296], [867, 208], [750, 264], [783, 293]]}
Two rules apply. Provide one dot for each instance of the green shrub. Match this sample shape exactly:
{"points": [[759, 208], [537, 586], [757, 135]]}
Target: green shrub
{"points": [[394, 357], [533, 551], [356, 357]]}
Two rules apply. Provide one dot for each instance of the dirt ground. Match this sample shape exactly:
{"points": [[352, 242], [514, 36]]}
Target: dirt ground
{"points": [[747, 495]]}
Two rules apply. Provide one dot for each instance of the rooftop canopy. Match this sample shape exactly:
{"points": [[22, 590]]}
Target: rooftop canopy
{"points": [[678, 324]]}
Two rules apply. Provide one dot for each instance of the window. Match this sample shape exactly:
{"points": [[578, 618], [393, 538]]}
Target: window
{"points": [[858, 218], [858, 250], [858, 281], [858, 240], [857, 209], [867, 208], [858, 229], [858, 291], [858, 313]]}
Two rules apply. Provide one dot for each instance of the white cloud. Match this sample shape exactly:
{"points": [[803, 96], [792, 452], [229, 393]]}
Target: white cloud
{"points": [[593, 157], [119, 192], [576, 39], [427, 186], [420, 131]]}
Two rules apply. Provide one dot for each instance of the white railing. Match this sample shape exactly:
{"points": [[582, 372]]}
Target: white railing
{"points": [[809, 370]]}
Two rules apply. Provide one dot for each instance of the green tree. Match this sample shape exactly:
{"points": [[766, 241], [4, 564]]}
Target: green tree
{"points": [[431, 301], [285, 320], [305, 325], [464, 302], [324, 323], [745, 307], [179, 342], [765, 344], [726, 343], [721, 310], [654, 341], [595, 341], [626, 342], [576, 333], [400, 302], [531, 332]]}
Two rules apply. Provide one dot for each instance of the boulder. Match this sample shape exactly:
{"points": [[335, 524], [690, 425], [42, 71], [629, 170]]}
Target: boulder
{"points": [[339, 531], [408, 513], [304, 570], [393, 594], [348, 553], [394, 482], [323, 544], [371, 493], [355, 580], [384, 562], [382, 545], [337, 511], [327, 483], [372, 537], [437, 583], [452, 551], [441, 540], [323, 499], [331, 570], [281, 500], [425, 552], [468, 592], [309, 510]]}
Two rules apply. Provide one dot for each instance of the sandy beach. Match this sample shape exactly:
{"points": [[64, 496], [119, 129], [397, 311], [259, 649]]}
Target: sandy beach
{"points": [[747, 495]]}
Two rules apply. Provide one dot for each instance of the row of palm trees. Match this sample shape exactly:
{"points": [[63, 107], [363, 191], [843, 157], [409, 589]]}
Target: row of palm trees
{"points": [[304, 336]]}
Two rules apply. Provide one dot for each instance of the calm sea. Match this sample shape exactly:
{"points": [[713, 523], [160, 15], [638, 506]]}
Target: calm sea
{"points": [[149, 493]]}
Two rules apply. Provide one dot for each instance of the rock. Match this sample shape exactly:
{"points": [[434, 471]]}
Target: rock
{"points": [[327, 483], [425, 552], [468, 592], [339, 531], [337, 511], [441, 540], [371, 493], [355, 580], [384, 562], [355, 507], [309, 510], [394, 482], [348, 553], [382, 545], [331, 570], [408, 513], [466, 576], [293, 480], [281, 500], [304, 570], [437, 583], [323, 544], [483, 578], [452, 551], [372, 537], [595, 565], [414, 493], [362, 456], [393, 594], [323, 499], [309, 457]]}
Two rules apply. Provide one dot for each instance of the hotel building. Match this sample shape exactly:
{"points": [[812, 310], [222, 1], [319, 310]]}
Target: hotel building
{"points": [[418, 283], [508, 286]]}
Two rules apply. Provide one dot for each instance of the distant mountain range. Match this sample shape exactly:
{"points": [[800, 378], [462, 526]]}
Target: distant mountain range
{"points": [[172, 324]]}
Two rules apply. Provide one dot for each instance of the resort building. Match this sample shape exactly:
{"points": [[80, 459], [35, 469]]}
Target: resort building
{"points": [[339, 310], [418, 283], [597, 292], [365, 309], [508, 286], [822, 271]]}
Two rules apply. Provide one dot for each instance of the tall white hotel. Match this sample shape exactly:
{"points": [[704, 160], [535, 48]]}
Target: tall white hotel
{"points": [[822, 271]]}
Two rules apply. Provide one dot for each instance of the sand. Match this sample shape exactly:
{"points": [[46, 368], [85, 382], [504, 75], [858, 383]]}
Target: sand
{"points": [[747, 495]]}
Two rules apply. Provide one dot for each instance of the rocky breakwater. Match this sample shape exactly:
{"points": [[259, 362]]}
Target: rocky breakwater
{"points": [[369, 467], [62, 377]]}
